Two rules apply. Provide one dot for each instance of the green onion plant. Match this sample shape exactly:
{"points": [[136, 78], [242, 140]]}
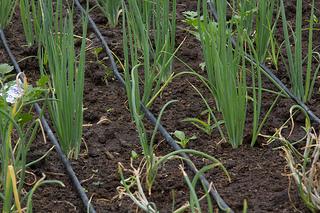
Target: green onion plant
{"points": [[226, 66], [164, 35], [264, 28], [111, 9], [150, 52], [6, 11], [301, 87], [273, 52], [226, 75], [32, 31], [67, 73]]}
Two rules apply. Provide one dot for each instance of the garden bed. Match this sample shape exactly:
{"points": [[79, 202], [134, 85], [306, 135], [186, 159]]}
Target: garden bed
{"points": [[258, 174]]}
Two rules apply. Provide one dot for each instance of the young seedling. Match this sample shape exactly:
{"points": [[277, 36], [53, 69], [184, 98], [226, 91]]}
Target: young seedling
{"points": [[97, 183], [182, 137], [206, 127], [134, 155], [100, 62], [84, 190]]}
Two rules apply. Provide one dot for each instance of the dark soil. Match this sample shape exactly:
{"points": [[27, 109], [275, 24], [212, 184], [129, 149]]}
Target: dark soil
{"points": [[258, 174]]}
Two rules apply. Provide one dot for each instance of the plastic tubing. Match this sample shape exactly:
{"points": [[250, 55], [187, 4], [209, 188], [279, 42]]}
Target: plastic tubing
{"points": [[269, 73], [57, 147], [162, 130]]}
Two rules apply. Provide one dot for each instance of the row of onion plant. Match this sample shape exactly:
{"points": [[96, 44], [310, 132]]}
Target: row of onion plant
{"points": [[154, 56], [223, 65], [139, 18], [67, 73], [262, 13], [301, 87]]}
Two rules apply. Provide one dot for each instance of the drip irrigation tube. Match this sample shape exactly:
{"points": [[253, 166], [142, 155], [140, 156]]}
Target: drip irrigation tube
{"points": [[162, 130], [57, 147], [269, 73]]}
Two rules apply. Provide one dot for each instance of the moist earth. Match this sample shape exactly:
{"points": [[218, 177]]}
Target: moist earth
{"points": [[258, 174]]}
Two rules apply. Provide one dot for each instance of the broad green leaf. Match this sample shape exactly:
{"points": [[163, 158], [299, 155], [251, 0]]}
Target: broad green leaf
{"points": [[43, 81], [193, 137], [180, 135], [5, 68], [24, 118]]}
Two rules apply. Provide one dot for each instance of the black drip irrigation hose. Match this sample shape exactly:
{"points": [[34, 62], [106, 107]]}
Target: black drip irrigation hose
{"points": [[269, 73], [162, 130], [45, 125]]}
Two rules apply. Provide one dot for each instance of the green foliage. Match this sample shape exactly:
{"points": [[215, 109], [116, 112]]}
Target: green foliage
{"points": [[192, 19], [27, 17], [134, 155], [6, 11], [182, 137], [247, 9], [148, 38], [13, 150], [111, 9], [100, 62], [206, 127], [264, 28], [97, 183], [301, 87], [5, 68], [223, 65], [67, 72]]}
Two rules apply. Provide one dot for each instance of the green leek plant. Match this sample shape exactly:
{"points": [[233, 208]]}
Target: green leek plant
{"points": [[154, 58], [67, 73], [6, 11], [111, 9], [226, 75], [301, 88]]}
